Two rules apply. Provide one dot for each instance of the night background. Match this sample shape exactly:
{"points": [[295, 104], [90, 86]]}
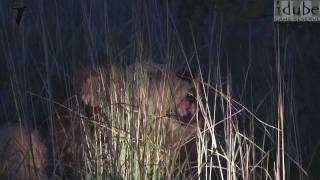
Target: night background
{"points": [[270, 73]]}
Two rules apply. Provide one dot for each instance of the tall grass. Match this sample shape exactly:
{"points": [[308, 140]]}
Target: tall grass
{"points": [[129, 135], [132, 141], [132, 131]]}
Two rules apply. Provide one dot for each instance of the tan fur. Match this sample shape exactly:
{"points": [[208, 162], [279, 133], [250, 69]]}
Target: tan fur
{"points": [[164, 89], [18, 160], [163, 92], [157, 93]]}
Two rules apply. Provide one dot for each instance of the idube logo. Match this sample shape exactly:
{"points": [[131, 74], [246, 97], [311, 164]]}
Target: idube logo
{"points": [[296, 10]]}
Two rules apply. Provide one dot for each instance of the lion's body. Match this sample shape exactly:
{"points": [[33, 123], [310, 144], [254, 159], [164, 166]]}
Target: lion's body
{"points": [[22, 154]]}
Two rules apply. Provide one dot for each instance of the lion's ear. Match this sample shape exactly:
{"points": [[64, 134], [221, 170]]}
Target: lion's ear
{"points": [[187, 73]]}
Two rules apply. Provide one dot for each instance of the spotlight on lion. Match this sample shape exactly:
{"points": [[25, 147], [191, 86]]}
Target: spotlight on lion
{"points": [[141, 117]]}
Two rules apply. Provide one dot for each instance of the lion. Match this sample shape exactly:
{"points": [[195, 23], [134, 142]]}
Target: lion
{"points": [[22, 154]]}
